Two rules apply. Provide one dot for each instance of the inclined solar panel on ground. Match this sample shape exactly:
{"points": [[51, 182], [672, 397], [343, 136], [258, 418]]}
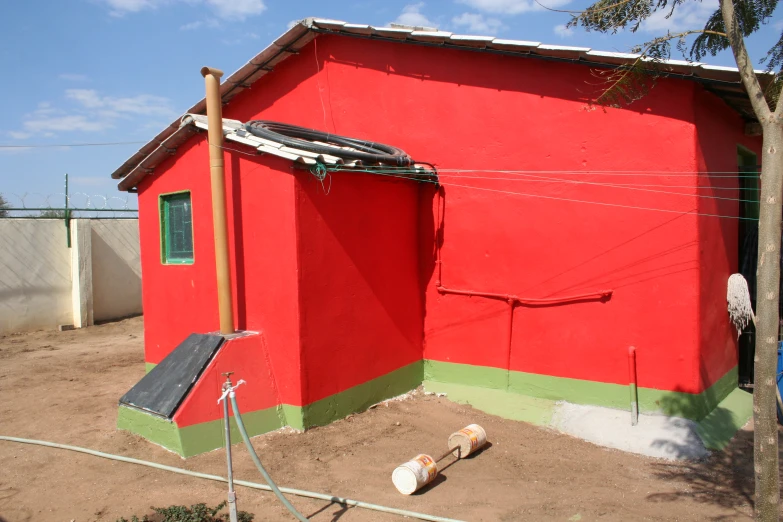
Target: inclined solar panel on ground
{"points": [[163, 389]]}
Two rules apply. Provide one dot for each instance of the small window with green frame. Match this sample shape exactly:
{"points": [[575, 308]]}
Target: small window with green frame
{"points": [[176, 229]]}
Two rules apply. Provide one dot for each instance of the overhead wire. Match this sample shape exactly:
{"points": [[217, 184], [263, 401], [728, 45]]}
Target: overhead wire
{"points": [[571, 200], [413, 175], [610, 185], [409, 173], [711, 187], [52, 145], [665, 173]]}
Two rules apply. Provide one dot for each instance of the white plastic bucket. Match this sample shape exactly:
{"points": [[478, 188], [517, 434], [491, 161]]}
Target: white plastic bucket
{"points": [[414, 474], [467, 440]]}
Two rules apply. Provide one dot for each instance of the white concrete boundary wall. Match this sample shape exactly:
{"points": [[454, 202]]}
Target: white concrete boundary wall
{"points": [[44, 284]]}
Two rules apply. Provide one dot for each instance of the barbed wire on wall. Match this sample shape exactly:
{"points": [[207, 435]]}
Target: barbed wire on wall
{"points": [[76, 205]]}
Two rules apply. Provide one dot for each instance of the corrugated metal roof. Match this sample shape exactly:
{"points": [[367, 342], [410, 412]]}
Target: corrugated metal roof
{"points": [[234, 131], [723, 81]]}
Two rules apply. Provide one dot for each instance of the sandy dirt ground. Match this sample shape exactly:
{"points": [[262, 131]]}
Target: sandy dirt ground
{"points": [[64, 387]]}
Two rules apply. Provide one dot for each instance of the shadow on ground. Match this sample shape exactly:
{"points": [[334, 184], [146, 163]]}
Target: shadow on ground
{"points": [[724, 478]]}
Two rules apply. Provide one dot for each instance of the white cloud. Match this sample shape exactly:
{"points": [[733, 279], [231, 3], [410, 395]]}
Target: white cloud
{"points": [[73, 77], [192, 26], [412, 15], [237, 9], [687, 15], [121, 7], [778, 25], [477, 23], [66, 122], [142, 104], [563, 32], [512, 7], [226, 9], [89, 111]]}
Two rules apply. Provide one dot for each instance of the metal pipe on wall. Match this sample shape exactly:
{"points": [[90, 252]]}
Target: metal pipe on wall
{"points": [[512, 300], [219, 220], [632, 386]]}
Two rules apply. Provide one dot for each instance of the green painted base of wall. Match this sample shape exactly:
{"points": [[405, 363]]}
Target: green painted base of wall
{"points": [[148, 367], [576, 391], [199, 438], [497, 402], [731, 414], [362, 396], [719, 411]]}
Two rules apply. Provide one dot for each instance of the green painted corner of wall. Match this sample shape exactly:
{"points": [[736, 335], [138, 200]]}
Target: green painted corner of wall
{"points": [[148, 367], [156, 429], [497, 402], [577, 391], [483, 376], [694, 406], [294, 416], [208, 436], [731, 414], [362, 396]]}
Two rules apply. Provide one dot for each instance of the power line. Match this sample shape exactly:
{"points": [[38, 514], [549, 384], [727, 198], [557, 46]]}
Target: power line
{"points": [[542, 196], [664, 173], [544, 179], [46, 146], [613, 184], [610, 185]]}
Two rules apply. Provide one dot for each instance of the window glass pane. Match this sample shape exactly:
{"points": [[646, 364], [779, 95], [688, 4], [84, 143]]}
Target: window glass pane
{"points": [[177, 225]]}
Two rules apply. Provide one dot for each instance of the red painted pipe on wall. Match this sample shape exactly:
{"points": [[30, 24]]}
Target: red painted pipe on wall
{"points": [[632, 385], [512, 300]]}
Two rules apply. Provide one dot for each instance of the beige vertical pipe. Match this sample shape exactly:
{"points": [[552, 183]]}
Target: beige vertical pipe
{"points": [[215, 134]]}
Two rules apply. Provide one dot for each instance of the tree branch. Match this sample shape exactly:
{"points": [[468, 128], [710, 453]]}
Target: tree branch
{"points": [[749, 80], [637, 63], [589, 10]]}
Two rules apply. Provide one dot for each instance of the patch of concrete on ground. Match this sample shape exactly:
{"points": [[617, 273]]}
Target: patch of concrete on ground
{"points": [[671, 438]]}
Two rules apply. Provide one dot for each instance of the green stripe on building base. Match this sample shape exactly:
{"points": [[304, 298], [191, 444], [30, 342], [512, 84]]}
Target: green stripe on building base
{"points": [[719, 411], [577, 391], [206, 436], [197, 438]]}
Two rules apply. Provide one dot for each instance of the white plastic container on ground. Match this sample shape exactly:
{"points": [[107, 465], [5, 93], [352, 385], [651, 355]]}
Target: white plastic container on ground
{"points": [[414, 474], [467, 440]]}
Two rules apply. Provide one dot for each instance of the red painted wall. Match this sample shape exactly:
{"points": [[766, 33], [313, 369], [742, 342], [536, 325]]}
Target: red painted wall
{"points": [[553, 227], [718, 133], [183, 298], [361, 304], [248, 358]]}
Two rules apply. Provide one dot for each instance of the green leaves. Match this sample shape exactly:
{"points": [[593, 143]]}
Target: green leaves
{"points": [[195, 513]]}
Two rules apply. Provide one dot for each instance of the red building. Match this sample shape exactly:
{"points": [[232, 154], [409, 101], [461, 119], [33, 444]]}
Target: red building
{"points": [[567, 235]]}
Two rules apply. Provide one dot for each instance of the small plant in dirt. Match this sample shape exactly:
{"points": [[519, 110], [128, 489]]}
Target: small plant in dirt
{"points": [[194, 513]]}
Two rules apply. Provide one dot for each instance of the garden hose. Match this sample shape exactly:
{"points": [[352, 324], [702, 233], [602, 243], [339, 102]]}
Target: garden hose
{"points": [[245, 483], [257, 461], [331, 144]]}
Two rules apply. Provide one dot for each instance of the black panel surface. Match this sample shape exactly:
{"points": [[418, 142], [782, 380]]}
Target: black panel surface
{"points": [[164, 388]]}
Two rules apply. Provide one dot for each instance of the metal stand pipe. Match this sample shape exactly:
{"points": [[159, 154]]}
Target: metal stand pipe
{"points": [[632, 386], [232, 496]]}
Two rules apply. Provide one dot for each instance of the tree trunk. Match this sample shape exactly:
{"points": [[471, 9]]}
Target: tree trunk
{"points": [[767, 300]]}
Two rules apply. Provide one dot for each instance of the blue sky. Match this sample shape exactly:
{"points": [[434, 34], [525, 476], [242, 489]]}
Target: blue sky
{"points": [[96, 71]]}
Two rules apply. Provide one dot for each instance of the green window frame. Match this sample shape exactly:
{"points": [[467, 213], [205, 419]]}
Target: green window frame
{"points": [[176, 229]]}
